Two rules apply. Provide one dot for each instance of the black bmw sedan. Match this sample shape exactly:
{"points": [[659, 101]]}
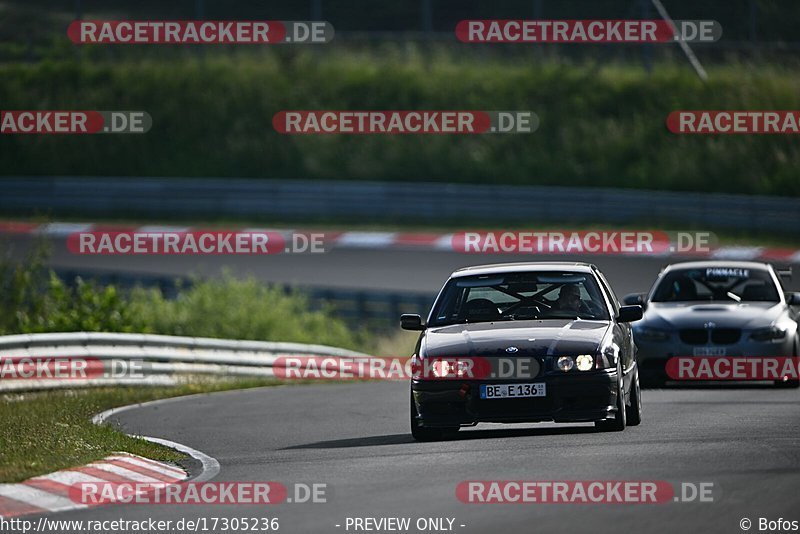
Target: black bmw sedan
{"points": [[524, 342]]}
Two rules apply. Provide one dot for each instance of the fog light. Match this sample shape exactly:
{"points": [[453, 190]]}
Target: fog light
{"points": [[565, 363], [584, 362]]}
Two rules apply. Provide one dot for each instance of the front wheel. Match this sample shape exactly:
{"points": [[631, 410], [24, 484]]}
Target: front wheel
{"points": [[634, 411], [620, 420]]}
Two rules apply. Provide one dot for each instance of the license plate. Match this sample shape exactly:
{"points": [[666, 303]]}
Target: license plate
{"points": [[710, 351], [512, 391]]}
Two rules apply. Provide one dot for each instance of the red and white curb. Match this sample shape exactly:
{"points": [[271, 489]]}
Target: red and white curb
{"points": [[51, 493], [378, 240]]}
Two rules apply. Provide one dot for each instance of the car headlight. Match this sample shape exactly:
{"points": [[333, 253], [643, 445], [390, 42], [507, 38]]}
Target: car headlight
{"points": [[766, 335], [584, 362], [565, 363], [651, 334]]}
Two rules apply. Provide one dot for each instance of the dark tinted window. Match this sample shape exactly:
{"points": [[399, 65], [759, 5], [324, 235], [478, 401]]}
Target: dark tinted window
{"points": [[519, 296], [717, 284]]}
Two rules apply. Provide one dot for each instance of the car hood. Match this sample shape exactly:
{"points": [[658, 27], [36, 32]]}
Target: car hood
{"points": [[671, 315], [531, 338]]}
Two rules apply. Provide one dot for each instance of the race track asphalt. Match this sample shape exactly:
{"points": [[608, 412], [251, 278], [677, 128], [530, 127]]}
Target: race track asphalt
{"points": [[352, 268], [355, 437]]}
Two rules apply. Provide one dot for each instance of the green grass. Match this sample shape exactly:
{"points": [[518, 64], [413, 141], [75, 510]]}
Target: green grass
{"points": [[602, 124], [47, 431]]}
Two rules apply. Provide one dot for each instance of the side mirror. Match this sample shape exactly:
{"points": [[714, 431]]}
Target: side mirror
{"points": [[793, 299], [411, 321], [629, 314], [633, 299]]}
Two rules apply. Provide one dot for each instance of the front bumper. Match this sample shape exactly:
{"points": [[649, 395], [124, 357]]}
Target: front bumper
{"points": [[572, 397], [653, 356]]}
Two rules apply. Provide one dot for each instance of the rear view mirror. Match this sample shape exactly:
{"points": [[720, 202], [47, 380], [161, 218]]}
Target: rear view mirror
{"points": [[629, 314], [411, 321], [793, 299]]}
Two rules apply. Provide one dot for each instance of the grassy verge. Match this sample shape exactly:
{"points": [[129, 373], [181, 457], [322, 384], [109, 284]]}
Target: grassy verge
{"points": [[47, 431], [602, 123], [399, 344]]}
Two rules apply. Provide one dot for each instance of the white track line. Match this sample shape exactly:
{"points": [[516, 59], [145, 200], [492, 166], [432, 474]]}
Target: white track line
{"points": [[209, 464]]}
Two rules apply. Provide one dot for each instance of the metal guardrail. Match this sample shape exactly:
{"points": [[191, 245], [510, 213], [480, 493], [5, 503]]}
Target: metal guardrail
{"points": [[426, 203], [88, 339], [161, 358]]}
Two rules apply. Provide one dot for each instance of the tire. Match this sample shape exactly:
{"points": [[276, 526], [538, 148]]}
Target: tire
{"points": [[420, 433], [619, 422], [634, 411]]}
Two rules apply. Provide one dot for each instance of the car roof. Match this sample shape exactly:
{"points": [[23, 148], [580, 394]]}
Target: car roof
{"points": [[717, 263], [499, 268]]}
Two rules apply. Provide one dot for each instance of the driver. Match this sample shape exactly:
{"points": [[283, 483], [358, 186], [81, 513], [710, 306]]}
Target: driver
{"points": [[569, 298]]}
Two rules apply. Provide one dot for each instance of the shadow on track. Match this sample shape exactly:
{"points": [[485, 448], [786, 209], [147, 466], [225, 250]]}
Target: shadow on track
{"points": [[688, 386], [400, 439]]}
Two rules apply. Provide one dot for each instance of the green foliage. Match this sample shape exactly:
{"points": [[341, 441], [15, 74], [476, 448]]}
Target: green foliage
{"points": [[238, 309], [601, 125], [33, 299]]}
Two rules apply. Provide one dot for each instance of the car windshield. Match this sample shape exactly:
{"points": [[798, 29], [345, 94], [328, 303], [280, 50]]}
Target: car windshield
{"points": [[717, 284], [519, 296]]}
